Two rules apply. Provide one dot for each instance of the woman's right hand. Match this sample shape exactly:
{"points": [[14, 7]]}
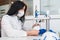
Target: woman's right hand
{"points": [[35, 25], [33, 33]]}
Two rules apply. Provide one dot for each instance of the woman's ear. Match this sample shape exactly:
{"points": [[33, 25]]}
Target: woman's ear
{"points": [[24, 8]]}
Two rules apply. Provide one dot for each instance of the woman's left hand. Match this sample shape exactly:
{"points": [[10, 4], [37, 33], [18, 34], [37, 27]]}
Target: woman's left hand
{"points": [[36, 25]]}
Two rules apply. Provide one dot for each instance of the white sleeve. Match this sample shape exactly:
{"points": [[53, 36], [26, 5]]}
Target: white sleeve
{"points": [[28, 25], [11, 32]]}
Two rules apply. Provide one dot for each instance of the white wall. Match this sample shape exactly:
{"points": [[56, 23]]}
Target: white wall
{"points": [[52, 5], [55, 23]]}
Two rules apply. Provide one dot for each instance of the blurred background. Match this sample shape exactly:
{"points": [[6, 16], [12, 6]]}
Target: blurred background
{"points": [[53, 6]]}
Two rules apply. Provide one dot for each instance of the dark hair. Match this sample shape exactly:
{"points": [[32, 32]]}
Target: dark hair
{"points": [[17, 5]]}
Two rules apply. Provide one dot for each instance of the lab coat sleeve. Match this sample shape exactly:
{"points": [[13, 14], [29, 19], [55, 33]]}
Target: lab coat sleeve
{"points": [[27, 26], [11, 32]]}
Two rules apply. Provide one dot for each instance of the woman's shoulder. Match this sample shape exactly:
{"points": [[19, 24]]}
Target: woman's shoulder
{"points": [[5, 17]]}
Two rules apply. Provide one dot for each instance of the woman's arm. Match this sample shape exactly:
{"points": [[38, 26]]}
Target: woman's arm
{"points": [[9, 30], [33, 33]]}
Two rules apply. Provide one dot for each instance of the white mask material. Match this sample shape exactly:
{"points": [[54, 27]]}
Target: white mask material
{"points": [[20, 13]]}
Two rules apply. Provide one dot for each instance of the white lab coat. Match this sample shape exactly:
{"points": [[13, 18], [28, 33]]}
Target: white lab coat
{"points": [[12, 27]]}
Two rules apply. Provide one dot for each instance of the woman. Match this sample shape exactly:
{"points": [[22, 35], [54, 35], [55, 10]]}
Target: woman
{"points": [[12, 22]]}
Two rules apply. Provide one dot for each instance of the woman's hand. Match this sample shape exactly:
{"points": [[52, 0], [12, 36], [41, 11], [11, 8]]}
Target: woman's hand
{"points": [[36, 25], [33, 33]]}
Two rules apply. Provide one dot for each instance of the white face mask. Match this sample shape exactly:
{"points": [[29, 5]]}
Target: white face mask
{"points": [[20, 13]]}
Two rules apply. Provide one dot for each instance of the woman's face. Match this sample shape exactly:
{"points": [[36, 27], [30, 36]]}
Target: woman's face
{"points": [[21, 12]]}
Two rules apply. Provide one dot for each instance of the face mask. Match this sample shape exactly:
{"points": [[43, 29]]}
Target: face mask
{"points": [[20, 13]]}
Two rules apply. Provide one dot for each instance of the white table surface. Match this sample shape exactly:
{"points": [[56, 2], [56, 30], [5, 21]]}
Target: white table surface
{"points": [[21, 38]]}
